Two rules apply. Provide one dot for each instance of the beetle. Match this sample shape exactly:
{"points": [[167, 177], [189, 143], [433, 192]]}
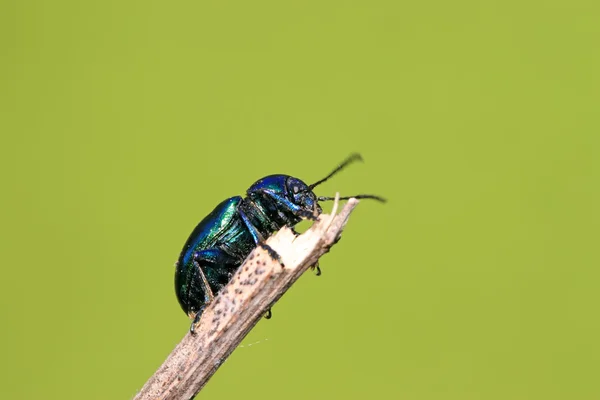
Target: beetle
{"points": [[224, 238]]}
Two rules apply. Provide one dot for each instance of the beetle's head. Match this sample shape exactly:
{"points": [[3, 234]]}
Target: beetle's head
{"points": [[302, 195], [274, 191]]}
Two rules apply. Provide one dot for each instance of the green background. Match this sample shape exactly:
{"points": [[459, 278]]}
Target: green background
{"points": [[124, 123]]}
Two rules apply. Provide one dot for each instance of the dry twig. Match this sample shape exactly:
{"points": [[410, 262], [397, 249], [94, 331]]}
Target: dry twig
{"points": [[255, 287]]}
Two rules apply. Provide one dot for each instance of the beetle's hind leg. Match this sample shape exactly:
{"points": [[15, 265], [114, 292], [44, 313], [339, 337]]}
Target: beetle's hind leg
{"points": [[214, 259], [196, 319], [208, 294]]}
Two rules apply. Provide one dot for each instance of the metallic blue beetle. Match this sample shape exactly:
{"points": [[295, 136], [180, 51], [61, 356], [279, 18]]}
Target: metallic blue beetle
{"points": [[222, 241]]}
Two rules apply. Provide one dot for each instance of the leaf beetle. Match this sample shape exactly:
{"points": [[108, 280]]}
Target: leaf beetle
{"points": [[224, 238]]}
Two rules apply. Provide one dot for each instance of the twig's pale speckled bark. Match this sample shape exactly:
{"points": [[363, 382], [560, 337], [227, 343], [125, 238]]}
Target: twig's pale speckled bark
{"points": [[255, 287]]}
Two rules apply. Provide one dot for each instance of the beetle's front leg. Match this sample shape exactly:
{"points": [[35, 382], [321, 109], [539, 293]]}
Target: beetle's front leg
{"points": [[314, 267]]}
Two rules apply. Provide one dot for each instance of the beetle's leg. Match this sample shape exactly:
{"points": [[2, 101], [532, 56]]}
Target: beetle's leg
{"points": [[259, 240], [208, 293], [202, 260], [316, 269], [256, 235], [316, 266], [272, 253], [313, 267], [289, 206], [197, 319]]}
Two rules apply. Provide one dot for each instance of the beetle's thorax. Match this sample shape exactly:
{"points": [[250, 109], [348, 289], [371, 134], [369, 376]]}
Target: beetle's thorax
{"points": [[264, 214], [275, 201]]}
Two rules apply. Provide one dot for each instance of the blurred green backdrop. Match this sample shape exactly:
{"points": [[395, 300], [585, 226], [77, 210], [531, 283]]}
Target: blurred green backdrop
{"points": [[124, 123]]}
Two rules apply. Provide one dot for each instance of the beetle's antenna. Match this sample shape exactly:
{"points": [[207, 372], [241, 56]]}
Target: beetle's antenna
{"points": [[358, 196], [349, 160]]}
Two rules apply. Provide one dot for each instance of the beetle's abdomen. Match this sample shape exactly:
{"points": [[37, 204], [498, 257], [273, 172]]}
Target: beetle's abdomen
{"points": [[207, 234]]}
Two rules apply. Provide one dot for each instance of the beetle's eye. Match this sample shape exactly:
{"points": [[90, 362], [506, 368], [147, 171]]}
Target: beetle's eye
{"points": [[295, 189]]}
